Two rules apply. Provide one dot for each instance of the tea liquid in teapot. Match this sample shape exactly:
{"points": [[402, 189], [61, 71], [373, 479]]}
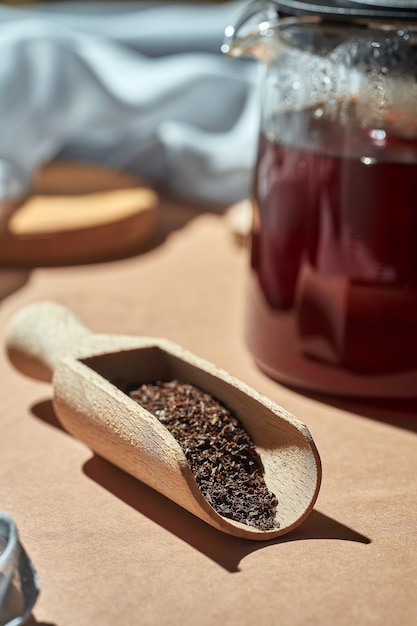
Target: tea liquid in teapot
{"points": [[332, 294]]}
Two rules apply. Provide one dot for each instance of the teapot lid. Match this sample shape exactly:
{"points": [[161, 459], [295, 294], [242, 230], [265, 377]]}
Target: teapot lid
{"points": [[397, 10]]}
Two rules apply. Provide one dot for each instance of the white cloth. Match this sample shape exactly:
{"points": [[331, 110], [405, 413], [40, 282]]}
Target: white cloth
{"points": [[138, 86]]}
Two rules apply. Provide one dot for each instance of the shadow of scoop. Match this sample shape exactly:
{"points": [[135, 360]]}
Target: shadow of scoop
{"points": [[320, 526], [226, 550]]}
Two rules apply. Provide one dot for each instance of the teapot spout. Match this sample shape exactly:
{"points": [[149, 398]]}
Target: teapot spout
{"points": [[253, 33]]}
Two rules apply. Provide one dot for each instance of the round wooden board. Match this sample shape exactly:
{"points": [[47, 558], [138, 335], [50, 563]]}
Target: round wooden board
{"points": [[78, 213]]}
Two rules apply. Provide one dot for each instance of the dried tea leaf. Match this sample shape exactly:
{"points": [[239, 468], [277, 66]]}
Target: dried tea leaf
{"points": [[221, 454]]}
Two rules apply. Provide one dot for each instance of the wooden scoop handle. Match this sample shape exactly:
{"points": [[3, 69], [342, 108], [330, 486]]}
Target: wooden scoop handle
{"points": [[39, 334]]}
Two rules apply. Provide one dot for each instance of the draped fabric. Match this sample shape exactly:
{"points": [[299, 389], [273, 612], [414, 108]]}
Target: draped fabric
{"points": [[137, 86]]}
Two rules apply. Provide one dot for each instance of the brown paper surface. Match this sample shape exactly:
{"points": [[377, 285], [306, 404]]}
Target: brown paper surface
{"points": [[110, 551]]}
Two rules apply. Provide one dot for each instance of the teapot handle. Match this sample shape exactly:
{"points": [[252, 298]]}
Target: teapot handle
{"points": [[232, 43]]}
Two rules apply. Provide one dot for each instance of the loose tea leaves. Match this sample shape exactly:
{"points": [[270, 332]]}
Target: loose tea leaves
{"points": [[222, 457]]}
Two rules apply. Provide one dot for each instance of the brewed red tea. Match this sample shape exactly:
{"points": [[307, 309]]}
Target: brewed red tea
{"points": [[333, 288]]}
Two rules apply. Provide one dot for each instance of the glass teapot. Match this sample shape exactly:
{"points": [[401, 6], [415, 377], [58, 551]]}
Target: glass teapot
{"points": [[332, 290]]}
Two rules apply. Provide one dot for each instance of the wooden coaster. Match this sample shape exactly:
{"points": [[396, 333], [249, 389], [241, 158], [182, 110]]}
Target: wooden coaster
{"points": [[78, 213]]}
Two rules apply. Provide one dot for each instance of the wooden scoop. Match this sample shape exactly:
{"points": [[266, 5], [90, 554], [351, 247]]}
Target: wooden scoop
{"points": [[89, 372]]}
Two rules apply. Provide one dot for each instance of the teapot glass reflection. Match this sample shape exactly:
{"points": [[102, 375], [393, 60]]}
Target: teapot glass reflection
{"points": [[332, 293]]}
